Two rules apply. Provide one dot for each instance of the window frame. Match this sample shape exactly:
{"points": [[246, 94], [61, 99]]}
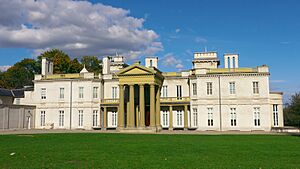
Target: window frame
{"points": [[209, 90]]}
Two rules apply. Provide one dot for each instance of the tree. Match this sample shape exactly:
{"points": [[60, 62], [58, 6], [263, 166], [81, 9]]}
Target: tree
{"points": [[292, 111], [75, 66], [91, 63]]}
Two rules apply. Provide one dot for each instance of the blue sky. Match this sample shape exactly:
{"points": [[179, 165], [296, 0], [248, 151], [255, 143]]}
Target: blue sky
{"points": [[261, 32]]}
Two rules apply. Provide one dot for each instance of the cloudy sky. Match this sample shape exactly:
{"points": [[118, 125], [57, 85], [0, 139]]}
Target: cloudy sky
{"points": [[262, 32]]}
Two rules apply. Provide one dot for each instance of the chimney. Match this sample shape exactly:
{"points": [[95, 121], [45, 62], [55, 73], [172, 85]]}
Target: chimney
{"points": [[106, 66], [231, 61], [151, 61], [47, 67]]}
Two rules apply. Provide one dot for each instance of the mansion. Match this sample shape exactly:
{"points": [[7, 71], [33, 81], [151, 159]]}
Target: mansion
{"points": [[141, 97]]}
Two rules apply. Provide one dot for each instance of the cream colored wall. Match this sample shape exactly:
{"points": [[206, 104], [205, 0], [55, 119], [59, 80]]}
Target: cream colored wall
{"points": [[108, 85], [172, 89]]}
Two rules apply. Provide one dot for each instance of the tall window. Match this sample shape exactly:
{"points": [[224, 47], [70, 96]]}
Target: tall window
{"points": [[179, 91], [165, 118], [114, 92], [61, 118], [255, 88], [232, 87], [95, 92], [165, 91], [61, 93], [114, 119], [80, 118], [80, 92], [194, 89], [233, 116], [210, 116], [95, 118], [256, 116], [43, 93], [209, 88], [43, 116], [275, 114], [179, 117], [195, 117]]}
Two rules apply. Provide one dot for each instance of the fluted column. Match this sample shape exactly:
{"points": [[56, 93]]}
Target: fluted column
{"points": [[121, 107], [131, 105], [170, 118], [152, 105], [104, 118], [185, 117], [142, 106], [157, 108]]}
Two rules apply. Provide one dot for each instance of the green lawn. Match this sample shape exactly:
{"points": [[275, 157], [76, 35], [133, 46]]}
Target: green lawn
{"points": [[93, 150]]}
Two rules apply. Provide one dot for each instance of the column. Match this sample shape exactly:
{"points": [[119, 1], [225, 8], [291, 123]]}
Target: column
{"points": [[152, 105], [226, 61], [131, 106], [158, 108], [104, 118], [185, 117], [142, 106], [170, 118], [121, 107], [236, 65]]}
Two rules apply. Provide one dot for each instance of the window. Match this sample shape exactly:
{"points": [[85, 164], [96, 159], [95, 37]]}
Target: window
{"points": [[43, 93], [232, 87], [275, 114], [61, 119], [194, 89], [210, 116], [43, 116], [95, 92], [114, 92], [256, 116], [80, 118], [255, 88], [179, 92], [195, 117], [61, 93], [165, 91], [179, 117], [95, 118], [209, 88], [80, 92], [114, 119], [165, 118], [233, 116]]}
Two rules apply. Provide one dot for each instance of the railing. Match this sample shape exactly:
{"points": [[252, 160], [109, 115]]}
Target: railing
{"points": [[110, 101], [230, 70], [175, 99]]}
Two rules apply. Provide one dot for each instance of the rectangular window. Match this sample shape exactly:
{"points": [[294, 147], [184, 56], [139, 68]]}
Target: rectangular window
{"points": [[43, 93], [210, 116], [61, 119], [179, 117], [255, 88], [209, 88], [233, 116], [232, 87], [165, 91], [95, 118], [43, 117], [80, 118], [179, 92], [95, 92], [61, 93], [114, 119], [275, 115], [256, 116], [80, 92], [195, 117], [114, 92], [194, 89], [165, 118]]}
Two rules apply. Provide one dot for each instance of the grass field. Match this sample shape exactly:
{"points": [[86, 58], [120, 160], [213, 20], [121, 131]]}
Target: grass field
{"points": [[93, 150]]}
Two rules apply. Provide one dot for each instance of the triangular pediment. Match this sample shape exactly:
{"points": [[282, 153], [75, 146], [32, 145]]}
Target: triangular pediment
{"points": [[136, 70]]}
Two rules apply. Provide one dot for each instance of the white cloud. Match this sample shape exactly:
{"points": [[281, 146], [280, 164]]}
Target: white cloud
{"points": [[199, 39], [77, 27], [170, 60], [277, 81], [4, 68], [177, 30]]}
